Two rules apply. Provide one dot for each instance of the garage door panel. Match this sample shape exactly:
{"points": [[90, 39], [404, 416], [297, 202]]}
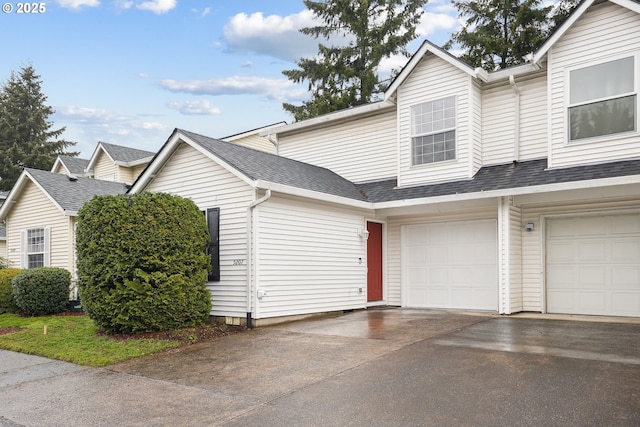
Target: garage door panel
{"points": [[626, 303], [625, 250], [626, 278], [593, 265], [594, 277], [592, 251], [460, 266]]}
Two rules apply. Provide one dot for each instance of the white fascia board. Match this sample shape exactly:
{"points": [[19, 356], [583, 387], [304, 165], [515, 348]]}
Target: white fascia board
{"points": [[262, 131], [70, 213], [330, 118], [546, 188], [542, 51], [94, 156], [17, 190], [218, 160], [517, 70], [310, 194], [134, 162], [161, 158], [417, 57], [59, 162]]}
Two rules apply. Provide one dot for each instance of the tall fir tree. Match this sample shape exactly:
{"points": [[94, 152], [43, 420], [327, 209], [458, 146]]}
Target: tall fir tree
{"points": [[26, 135], [340, 77], [497, 34]]}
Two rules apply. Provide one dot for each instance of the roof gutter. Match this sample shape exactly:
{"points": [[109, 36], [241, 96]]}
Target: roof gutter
{"points": [[250, 210]]}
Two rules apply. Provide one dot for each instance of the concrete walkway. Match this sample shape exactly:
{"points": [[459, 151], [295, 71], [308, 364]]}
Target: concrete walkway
{"points": [[390, 367]]}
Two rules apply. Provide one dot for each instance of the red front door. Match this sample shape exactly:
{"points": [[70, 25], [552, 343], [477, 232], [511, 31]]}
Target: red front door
{"points": [[374, 261]]}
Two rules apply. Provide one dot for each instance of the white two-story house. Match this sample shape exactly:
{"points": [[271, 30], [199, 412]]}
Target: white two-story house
{"points": [[516, 190]]}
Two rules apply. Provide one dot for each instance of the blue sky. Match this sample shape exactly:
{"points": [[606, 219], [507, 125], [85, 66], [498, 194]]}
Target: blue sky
{"points": [[130, 71]]}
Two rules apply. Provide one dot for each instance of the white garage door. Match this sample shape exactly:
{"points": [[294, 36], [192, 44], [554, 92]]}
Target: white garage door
{"points": [[451, 265], [593, 265]]}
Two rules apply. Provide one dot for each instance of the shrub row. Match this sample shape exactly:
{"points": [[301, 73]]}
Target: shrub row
{"points": [[36, 292]]}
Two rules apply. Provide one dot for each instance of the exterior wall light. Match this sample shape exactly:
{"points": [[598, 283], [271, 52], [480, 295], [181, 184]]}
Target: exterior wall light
{"points": [[529, 227]]}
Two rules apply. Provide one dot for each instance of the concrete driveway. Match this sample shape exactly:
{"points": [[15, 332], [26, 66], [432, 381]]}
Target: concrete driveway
{"points": [[392, 367]]}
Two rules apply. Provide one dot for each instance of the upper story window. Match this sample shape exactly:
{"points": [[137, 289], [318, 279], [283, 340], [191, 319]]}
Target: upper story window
{"points": [[602, 99], [433, 131]]}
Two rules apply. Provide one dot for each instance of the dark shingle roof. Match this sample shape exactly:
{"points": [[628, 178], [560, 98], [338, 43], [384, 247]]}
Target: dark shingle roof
{"points": [[125, 154], [72, 194], [74, 164], [280, 170], [501, 177]]}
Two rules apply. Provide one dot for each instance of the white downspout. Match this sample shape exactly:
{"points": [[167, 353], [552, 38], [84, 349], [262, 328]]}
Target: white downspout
{"points": [[250, 209], [516, 146]]}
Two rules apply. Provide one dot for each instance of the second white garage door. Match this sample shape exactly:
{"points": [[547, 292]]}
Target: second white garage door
{"points": [[451, 265], [593, 265]]}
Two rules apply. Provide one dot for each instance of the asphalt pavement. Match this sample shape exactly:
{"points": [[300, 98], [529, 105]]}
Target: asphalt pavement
{"points": [[389, 367]]}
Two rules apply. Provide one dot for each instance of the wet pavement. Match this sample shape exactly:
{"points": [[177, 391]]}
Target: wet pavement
{"points": [[393, 367]]}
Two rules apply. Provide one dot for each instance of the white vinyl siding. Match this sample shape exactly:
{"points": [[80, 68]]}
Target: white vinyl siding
{"points": [[105, 168], [435, 79], [256, 142], [605, 32], [34, 210], [125, 174], [498, 121], [510, 248], [309, 259], [362, 149], [191, 174]]}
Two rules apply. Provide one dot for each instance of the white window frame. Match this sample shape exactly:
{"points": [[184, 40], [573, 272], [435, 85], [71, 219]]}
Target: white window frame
{"points": [[569, 105], [26, 251], [442, 131]]}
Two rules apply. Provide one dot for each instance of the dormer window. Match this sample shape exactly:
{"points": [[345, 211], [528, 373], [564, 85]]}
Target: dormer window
{"points": [[602, 99], [433, 131]]}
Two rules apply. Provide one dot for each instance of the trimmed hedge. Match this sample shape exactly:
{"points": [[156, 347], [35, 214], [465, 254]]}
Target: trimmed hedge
{"points": [[142, 264], [40, 291], [7, 303]]}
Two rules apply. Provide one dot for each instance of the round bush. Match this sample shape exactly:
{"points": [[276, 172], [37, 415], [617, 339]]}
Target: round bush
{"points": [[7, 303], [142, 264], [40, 291]]}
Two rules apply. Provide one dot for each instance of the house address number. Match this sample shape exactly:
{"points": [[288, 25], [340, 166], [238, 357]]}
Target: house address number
{"points": [[238, 261]]}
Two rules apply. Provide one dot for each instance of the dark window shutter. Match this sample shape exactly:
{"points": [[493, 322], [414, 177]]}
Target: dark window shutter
{"points": [[213, 250]]}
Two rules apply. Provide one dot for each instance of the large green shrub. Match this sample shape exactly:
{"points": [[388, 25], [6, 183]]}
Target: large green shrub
{"points": [[4, 263], [141, 262], [7, 303], [40, 291]]}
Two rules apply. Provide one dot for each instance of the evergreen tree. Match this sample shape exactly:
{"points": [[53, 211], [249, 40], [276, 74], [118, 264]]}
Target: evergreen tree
{"points": [[26, 137], [345, 76], [497, 34]]}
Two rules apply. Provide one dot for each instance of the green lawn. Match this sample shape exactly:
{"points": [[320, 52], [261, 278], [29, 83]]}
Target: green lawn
{"points": [[73, 339]]}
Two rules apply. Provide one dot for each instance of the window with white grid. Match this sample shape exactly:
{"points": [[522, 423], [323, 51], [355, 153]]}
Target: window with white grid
{"points": [[35, 248], [433, 131]]}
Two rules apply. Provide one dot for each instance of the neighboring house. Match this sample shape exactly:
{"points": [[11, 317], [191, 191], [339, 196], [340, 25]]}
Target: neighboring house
{"points": [[70, 166], [41, 209], [40, 214], [259, 138], [110, 162], [517, 190]]}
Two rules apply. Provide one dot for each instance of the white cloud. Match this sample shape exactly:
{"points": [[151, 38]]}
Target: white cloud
{"points": [[278, 89], [200, 107], [88, 115], [157, 6], [431, 23], [76, 4], [271, 35]]}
